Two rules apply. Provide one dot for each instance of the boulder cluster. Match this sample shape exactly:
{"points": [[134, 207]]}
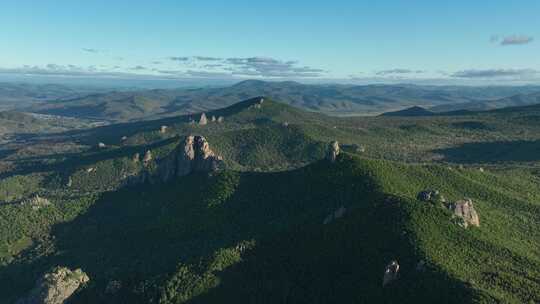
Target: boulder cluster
{"points": [[37, 202], [203, 119], [56, 286], [462, 209], [193, 154], [431, 196], [258, 104]]}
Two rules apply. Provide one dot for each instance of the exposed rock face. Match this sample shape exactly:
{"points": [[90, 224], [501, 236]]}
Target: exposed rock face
{"points": [[431, 196], [191, 155], [333, 151], [464, 209], [147, 158], [390, 273], [55, 287], [203, 120], [195, 155], [163, 129], [37, 202], [339, 213]]}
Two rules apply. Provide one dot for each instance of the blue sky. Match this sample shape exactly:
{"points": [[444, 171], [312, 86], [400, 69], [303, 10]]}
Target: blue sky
{"points": [[352, 41]]}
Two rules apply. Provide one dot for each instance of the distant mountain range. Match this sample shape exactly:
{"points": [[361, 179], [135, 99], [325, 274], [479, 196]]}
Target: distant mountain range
{"points": [[19, 95], [511, 101], [333, 99]]}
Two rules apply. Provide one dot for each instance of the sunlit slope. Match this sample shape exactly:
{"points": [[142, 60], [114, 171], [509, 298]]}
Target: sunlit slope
{"points": [[261, 237]]}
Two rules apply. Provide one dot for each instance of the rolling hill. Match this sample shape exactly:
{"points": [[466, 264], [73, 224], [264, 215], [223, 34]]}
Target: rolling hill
{"points": [[279, 222], [511, 101], [340, 100], [412, 111]]}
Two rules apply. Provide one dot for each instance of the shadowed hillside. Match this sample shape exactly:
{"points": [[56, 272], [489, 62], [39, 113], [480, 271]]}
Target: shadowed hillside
{"points": [[278, 222]]}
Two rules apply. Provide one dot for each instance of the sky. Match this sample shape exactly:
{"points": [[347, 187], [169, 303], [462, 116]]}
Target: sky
{"points": [[352, 41]]}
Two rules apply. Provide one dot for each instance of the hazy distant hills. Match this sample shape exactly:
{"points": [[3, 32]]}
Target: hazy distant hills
{"points": [[333, 99], [18, 95], [412, 111], [511, 101]]}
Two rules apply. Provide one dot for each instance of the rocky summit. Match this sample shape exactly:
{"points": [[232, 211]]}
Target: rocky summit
{"points": [[193, 154]]}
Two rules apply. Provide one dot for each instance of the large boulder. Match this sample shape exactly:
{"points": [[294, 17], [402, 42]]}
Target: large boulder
{"points": [[147, 158], [464, 209], [203, 120], [333, 151], [56, 286], [390, 273]]}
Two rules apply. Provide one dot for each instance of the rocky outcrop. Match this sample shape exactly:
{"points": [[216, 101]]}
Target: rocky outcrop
{"points": [[163, 129], [37, 202], [333, 151], [390, 273], [193, 154], [147, 158], [135, 158], [56, 286], [431, 196], [465, 211], [203, 120]]}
